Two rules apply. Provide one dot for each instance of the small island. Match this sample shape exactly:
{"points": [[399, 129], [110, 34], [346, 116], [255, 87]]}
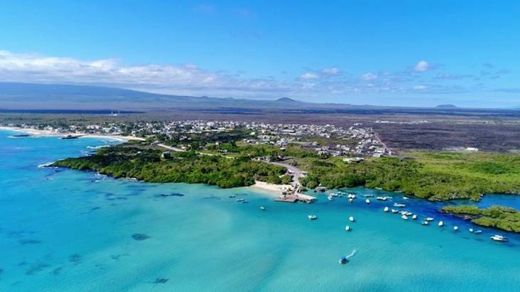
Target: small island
{"points": [[499, 217]]}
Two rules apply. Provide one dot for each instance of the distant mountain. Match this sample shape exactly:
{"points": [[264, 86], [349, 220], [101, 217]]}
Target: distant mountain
{"points": [[446, 106], [51, 97]]}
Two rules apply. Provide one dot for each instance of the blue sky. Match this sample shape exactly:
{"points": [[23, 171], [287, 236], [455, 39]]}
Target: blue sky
{"points": [[414, 53]]}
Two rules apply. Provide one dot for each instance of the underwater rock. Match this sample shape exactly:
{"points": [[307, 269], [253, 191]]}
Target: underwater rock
{"points": [[35, 268], [140, 236], [160, 281], [29, 241], [75, 258]]}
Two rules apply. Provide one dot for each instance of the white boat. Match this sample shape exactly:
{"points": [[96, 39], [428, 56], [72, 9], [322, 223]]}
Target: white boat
{"points": [[368, 196], [429, 219], [404, 217], [425, 222], [347, 228], [405, 198], [407, 213], [312, 217], [367, 201], [351, 196], [330, 197], [262, 208], [351, 219], [478, 231], [395, 211], [414, 217], [350, 200], [471, 230], [441, 224], [500, 238], [455, 228], [399, 205], [386, 209], [382, 198]]}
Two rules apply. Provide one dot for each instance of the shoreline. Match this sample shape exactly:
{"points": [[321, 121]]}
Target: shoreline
{"points": [[46, 133], [273, 190]]}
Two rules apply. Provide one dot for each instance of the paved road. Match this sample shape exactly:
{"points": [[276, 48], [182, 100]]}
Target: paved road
{"points": [[296, 172]]}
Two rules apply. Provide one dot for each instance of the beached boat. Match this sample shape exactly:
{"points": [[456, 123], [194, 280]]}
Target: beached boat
{"points": [[499, 238], [312, 217], [351, 219], [386, 209]]}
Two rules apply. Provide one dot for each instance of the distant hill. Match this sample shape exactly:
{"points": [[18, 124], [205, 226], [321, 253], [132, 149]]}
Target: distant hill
{"points": [[446, 106], [51, 97]]}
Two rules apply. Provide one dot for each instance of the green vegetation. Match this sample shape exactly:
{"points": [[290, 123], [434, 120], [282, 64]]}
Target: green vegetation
{"points": [[435, 176], [504, 218], [132, 160]]}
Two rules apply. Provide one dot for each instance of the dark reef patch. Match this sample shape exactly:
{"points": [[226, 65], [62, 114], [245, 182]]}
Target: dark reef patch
{"points": [[75, 258], [140, 236], [29, 241]]}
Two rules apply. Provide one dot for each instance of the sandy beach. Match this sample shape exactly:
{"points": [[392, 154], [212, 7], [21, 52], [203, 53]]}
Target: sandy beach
{"points": [[271, 189], [46, 133]]}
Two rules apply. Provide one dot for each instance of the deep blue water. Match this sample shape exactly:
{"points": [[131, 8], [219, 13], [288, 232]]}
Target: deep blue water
{"points": [[64, 230]]}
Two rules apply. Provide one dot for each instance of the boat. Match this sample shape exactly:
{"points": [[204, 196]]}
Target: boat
{"points": [[350, 200], [382, 198], [347, 228], [351, 196], [386, 209], [367, 201], [441, 223], [407, 213], [345, 259], [242, 201], [395, 211], [414, 217], [351, 219], [262, 208], [425, 222], [405, 198], [368, 196], [477, 231], [399, 205], [455, 228], [330, 197], [404, 217], [499, 238], [312, 217], [429, 219]]}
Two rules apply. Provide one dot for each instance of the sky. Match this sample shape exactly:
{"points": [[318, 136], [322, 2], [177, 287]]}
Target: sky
{"points": [[399, 52]]}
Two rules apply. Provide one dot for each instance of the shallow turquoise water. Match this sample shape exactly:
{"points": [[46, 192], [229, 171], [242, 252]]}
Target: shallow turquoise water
{"points": [[64, 230]]}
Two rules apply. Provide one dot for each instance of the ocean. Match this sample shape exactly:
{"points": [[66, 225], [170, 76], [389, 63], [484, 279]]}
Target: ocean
{"points": [[65, 230]]}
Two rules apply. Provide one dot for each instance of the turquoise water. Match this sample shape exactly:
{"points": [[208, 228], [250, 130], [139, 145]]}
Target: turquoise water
{"points": [[63, 230]]}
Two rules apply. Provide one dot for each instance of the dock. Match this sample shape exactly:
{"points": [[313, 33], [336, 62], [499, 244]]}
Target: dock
{"points": [[296, 197]]}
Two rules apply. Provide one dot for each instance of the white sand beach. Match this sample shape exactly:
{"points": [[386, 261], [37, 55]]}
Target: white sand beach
{"points": [[271, 189], [46, 133]]}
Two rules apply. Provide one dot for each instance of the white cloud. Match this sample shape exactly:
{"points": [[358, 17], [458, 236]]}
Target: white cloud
{"points": [[309, 76], [422, 66], [332, 71], [369, 76]]}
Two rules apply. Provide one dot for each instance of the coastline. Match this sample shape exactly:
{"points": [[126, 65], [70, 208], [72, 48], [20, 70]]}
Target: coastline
{"points": [[46, 133], [267, 188]]}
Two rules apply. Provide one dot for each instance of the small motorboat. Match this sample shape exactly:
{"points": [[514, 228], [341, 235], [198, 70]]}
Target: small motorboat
{"points": [[404, 217], [414, 217], [350, 200], [455, 228], [347, 228], [262, 208], [351, 219], [330, 197], [499, 238], [368, 196], [345, 259], [351, 196], [382, 198], [441, 224], [242, 201], [405, 198], [312, 217], [407, 213], [367, 201], [425, 222], [399, 205], [395, 211], [478, 231], [429, 219], [386, 209]]}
